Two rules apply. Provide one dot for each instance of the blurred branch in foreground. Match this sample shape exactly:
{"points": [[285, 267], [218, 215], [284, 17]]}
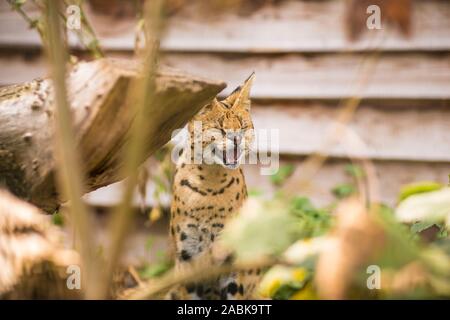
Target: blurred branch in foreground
{"points": [[32, 265], [141, 94], [70, 172]]}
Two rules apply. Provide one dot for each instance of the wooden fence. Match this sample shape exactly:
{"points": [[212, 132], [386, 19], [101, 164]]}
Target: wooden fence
{"points": [[304, 67]]}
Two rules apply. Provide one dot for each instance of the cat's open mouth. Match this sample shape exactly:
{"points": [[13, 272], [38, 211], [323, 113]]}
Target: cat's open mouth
{"points": [[231, 157]]}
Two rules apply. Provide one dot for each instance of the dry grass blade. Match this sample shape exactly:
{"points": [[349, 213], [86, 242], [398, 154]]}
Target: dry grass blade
{"points": [[141, 95], [300, 180], [69, 169], [154, 289]]}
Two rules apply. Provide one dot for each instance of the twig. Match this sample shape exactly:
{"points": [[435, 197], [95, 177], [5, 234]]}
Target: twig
{"points": [[309, 168], [85, 31], [197, 273], [32, 23]]}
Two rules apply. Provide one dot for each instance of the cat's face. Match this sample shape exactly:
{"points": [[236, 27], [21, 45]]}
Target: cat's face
{"points": [[226, 128]]}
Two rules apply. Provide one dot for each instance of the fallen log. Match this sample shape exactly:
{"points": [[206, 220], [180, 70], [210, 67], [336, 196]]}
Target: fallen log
{"points": [[97, 92]]}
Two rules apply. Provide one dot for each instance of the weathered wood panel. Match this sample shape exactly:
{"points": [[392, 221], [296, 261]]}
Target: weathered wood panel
{"points": [[292, 26], [395, 133], [326, 76], [293, 76]]}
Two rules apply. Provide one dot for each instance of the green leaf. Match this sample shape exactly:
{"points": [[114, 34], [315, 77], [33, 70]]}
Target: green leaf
{"points": [[255, 192], [17, 4], [283, 173], [421, 226], [287, 290], [343, 190], [154, 270], [310, 222], [57, 219], [354, 171], [419, 187], [431, 206], [264, 228]]}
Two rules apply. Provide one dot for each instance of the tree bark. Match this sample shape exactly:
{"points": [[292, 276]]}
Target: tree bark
{"points": [[102, 116]]}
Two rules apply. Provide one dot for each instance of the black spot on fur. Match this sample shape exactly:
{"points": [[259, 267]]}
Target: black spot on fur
{"points": [[210, 207], [241, 289], [232, 288], [183, 236], [223, 294], [212, 237], [199, 290], [185, 256], [222, 209], [217, 225], [186, 183], [190, 287], [237, 196]]}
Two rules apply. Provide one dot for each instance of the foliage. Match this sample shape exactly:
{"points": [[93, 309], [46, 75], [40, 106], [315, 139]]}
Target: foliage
{"points": [[291, 230], [58, 219], [431, 206], [282, 174], [416, 188], [343, 190]]}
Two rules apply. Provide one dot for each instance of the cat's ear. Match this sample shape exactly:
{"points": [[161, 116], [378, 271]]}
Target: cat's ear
{"points": [[240, 97], [209, 109]]}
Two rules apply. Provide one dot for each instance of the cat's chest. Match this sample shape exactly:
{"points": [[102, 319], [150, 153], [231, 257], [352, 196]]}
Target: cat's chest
{"points": [[199, 190]]}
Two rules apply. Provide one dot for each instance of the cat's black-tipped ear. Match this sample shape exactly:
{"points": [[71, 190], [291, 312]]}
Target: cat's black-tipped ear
{"points": [[209, 108], [240, 97]]}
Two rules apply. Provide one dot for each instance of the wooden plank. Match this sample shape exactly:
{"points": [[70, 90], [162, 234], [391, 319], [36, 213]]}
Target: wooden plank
{"points": [[291, 26], [16, 67], [391, 174], [326, 76], [296, 76], [397, 133]]}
